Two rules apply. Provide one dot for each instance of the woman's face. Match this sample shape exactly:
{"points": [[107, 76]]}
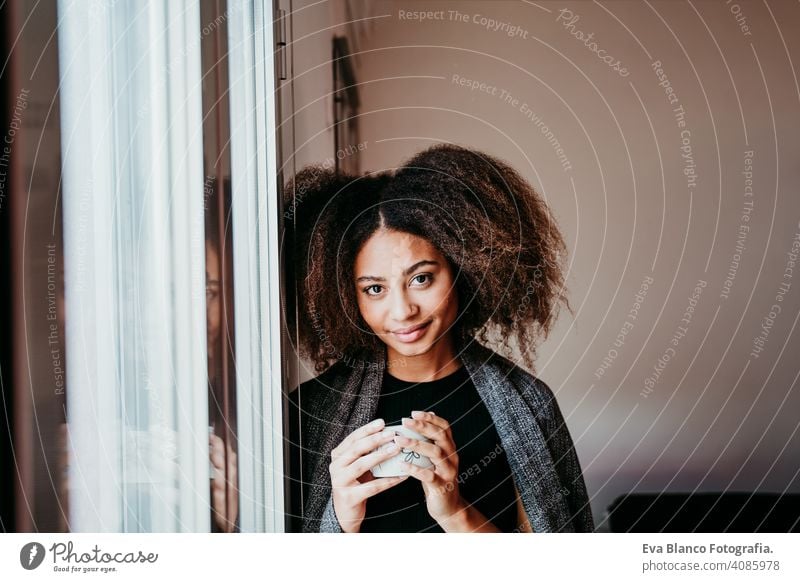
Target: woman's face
{"points": [[213, 311], [406, 292]]}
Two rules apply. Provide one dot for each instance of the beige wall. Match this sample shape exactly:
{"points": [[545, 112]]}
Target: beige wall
{"points": [[313, 26], [719, 416], [306, 104]]}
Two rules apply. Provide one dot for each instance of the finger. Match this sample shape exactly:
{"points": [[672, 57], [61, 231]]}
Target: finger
{"points": [[360, 447], [368, 429], [431, 417], [433, 432], [367, 490], [367, 462], [219, 501], [215, 442], [424, 475], [218, 459], [218, 481], [232, 464], [434, 452]]}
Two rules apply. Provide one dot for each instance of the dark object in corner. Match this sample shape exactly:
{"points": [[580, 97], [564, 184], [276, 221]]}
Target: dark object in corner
{"points": [[705, 513]]}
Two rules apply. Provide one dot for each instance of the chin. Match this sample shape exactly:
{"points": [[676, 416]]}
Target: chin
{"points": [[411, 350]]}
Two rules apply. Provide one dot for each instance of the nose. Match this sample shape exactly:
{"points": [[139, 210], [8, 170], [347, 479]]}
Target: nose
{"points": [[401, 309]]}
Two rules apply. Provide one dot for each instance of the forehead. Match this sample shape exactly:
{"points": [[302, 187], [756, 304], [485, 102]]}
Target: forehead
{"points": [[389, 251]]}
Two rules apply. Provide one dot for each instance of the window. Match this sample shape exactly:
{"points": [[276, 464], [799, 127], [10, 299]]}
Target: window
{"points": [[166, 203], [132, 155]]}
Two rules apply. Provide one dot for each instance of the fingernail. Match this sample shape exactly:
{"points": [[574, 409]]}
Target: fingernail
{"points": [[376, 422], [417, 413]]}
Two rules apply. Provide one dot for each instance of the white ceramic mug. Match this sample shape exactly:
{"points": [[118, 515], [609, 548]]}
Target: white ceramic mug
{"points": [[391, 467]]}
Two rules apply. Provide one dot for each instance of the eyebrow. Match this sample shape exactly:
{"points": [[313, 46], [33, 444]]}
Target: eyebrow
{"points": [[407, 272]]}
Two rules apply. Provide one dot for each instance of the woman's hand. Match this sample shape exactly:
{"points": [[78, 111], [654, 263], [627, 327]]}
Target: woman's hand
{"points": [[226, 507], [351, 479], [440, 483]]}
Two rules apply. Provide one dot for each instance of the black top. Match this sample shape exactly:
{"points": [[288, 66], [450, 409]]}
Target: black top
{"points": [[484, 477]]}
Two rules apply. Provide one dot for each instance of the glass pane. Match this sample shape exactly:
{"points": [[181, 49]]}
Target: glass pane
{"points": [[127, 226], [219, 271]]}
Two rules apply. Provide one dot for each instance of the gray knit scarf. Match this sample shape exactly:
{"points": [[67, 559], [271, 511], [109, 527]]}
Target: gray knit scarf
{"points": [[526, 416]]}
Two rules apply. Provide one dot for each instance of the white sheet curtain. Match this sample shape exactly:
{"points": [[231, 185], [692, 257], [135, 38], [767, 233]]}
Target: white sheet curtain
{"points": [[132, 187]]}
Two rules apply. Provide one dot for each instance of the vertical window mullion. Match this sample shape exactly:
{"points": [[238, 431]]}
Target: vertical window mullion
{"points": [[256, 265], [186, 184]]}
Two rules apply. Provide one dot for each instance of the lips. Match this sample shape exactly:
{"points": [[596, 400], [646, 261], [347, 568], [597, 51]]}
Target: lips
{"points": [[412, 328], [412, 333]]}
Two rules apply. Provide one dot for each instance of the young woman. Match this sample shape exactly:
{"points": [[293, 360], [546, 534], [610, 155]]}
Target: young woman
{"points": [[398, 276]]}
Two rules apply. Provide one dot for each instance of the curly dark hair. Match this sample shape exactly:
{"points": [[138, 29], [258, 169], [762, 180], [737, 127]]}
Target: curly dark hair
{"points": [[497, 234]]}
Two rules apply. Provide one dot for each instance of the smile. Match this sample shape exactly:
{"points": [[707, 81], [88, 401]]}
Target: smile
{"points": [[412, 334]]}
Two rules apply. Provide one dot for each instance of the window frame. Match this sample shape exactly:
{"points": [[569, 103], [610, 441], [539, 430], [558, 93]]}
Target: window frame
{"points": [[256, 264]]}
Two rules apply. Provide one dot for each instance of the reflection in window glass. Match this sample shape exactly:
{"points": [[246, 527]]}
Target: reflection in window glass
{"points": [[221, 368], [124, 405], [224, 492]]}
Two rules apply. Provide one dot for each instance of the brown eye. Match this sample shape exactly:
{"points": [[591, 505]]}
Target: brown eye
{"points": [[426, 278]]}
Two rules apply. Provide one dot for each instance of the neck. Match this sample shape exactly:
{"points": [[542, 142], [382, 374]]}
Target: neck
{"points": [[436, 363]]}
